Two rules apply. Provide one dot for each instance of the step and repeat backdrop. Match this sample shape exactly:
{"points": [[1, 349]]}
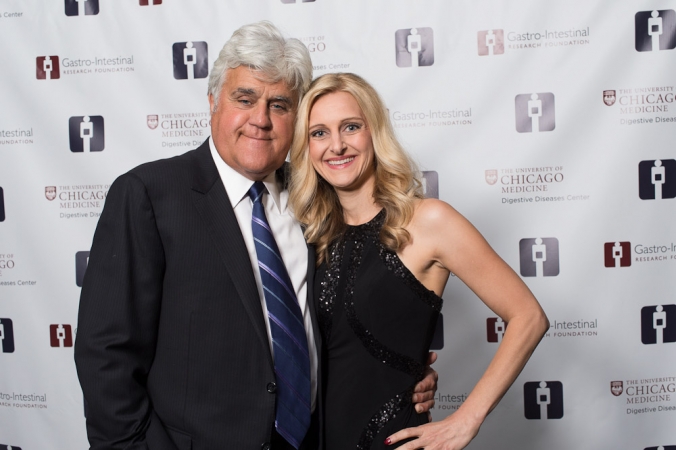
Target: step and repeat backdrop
{"points": [[550, 125]]}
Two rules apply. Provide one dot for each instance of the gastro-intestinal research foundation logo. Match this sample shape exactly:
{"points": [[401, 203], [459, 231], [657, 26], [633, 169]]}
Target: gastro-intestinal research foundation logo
{"points": [[534, 112], [17, 136], [86, 134], [539, 257], [432, 118], [81, 263], [655, 30], [6, 336], [47, 68], [657, 179], [187, 130], [655, 394], [414, 47], [191, 60], [82, 7], [617, 254], [543, 400], [60, 335], [491, 42], [22, 401], [658, 324], [495, 329], [78, 201], [79, 65], [528, 40]]}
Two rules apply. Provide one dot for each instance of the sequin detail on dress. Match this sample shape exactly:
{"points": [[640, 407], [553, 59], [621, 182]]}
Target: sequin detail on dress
{"points": [[388, 411]]}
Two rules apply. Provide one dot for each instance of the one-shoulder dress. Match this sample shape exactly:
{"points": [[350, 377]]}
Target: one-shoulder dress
{"points": [[377, 321]]}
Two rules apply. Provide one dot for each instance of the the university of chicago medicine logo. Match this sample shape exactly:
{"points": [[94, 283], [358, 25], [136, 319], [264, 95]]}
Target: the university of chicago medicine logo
{"points": [[81, 263], [47, 68], [543, 399], [414, 47], [430, 183], [50, 192], [491, 42], [609, 97], [60, 335], [655, 30], [657, 179], [617, 254], [539, 257], [616, 388], [190, 60], [153, 120], [491, 176], [658, 324], [82, 7], [534, 112], [86, 134], [495, 329], [6, 336]]}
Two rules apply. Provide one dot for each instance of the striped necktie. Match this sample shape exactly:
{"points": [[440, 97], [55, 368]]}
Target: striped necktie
{"points": [[289, 341]]}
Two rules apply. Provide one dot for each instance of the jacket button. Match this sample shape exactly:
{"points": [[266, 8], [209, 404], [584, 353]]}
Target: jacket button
{"points": [[272, 388], [266, 446]]}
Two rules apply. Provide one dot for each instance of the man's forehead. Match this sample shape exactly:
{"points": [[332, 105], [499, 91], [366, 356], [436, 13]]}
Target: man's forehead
{"points": [[244, 78]]}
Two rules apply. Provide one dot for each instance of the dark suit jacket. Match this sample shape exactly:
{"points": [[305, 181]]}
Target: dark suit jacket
{"points": [[172, 350]]}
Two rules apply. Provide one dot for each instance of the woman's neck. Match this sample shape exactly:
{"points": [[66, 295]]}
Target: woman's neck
{"points": [[359, 206]]}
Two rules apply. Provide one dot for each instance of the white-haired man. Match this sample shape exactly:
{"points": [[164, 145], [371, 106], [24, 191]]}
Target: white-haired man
{"points": [[176, 345]]}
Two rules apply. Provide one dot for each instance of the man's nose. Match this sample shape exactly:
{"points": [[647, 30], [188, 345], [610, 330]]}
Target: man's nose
{"points": [[260, 116]]}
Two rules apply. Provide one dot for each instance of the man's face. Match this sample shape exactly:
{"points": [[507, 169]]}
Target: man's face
{"points": [[252, 125]]}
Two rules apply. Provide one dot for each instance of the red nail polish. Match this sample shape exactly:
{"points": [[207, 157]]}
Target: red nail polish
{"points": [[388, 441]]}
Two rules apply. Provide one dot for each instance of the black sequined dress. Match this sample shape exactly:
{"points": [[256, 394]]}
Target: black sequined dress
{"points": [[377, 322]]}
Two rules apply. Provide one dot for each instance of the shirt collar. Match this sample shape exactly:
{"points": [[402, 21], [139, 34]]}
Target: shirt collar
{"points": [[237, 185]]}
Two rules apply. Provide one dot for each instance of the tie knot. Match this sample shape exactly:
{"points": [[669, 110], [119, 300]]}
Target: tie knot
{"points": [[256, 191]]}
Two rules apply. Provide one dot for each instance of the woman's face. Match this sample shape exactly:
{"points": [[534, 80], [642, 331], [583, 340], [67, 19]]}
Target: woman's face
{"points": [[341, 148]]}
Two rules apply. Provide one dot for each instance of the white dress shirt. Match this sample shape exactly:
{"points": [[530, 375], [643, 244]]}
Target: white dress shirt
{"points": [[289, 238]]}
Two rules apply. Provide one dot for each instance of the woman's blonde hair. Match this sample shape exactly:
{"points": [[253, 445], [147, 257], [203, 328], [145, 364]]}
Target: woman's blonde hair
{"points": [[396, 188]]}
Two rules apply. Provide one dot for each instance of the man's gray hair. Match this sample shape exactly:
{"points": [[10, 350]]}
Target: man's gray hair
{"points": [[262, 47]]}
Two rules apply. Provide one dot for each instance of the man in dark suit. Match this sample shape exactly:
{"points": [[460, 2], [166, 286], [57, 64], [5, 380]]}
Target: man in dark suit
{"points": [[174, 344]]}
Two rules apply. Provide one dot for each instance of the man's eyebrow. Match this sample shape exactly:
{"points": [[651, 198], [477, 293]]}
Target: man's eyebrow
{"points": [[244, 91], [281, 98]]}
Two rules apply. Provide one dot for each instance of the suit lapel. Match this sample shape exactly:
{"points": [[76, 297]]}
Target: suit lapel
{"points": [[213, 204]]}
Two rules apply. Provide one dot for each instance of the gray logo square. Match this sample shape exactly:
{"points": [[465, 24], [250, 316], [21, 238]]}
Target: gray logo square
{"points": [[534, 112], [539, 257], [491, 42], [414, 47]]}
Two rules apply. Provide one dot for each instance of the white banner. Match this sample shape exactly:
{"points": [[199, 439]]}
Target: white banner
{"points": [[549, 125]]}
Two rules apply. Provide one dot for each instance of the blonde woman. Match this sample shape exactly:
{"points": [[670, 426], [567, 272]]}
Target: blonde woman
{"points": [[384, 255]]}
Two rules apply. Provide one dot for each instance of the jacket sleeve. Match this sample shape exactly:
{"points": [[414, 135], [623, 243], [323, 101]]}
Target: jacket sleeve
{"points": [[118, 318]]}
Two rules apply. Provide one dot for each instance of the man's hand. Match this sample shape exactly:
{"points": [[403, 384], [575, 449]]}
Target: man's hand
{"points": [[423, 394]]}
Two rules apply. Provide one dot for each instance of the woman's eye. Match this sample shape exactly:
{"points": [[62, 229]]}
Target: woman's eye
{"points": [[352, 127], [317, 134]]}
